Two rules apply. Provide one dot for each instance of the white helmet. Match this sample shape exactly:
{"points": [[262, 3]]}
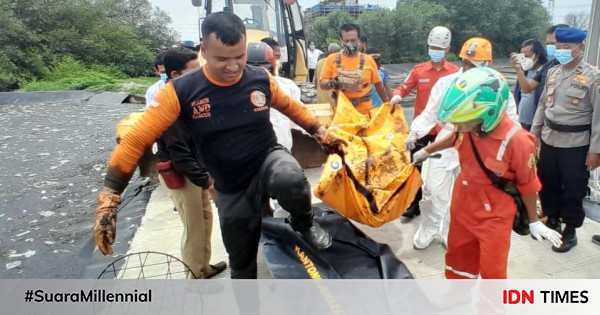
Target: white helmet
{"points": [[439, 36]]}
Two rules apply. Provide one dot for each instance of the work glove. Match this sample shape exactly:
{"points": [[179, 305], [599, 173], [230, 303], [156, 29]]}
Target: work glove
{"points": [[106, 221], [330, 142], [410, 141], [334, 83], [420, 156], [540, 231], [396, 100]]}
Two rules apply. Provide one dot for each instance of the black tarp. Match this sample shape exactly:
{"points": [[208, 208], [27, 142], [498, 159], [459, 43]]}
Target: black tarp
{"points": [[352, 255]]}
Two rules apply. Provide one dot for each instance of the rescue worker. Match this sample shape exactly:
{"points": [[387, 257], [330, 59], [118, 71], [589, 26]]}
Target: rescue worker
{"points": [[187, 181], [567, 122], [482, 215], [352, 72], [225, 106], [423, 77], [442, 172]]}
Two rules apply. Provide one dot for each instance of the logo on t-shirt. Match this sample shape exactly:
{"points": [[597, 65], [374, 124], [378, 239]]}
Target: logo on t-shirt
{"points": [[201, 108], [259, 100]]}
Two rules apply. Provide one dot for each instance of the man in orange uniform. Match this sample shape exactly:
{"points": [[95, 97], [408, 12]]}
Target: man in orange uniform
{"points": [[482, 215], [352, 72], [423, 77], [224, 106]]}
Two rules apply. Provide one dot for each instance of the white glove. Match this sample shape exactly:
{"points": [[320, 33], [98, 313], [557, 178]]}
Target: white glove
{"points": [[540, 231], [396, 99], [410, 141], [420, 156]]}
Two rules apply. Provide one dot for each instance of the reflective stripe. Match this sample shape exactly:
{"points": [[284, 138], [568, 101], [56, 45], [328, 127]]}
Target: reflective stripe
{"points": [[462, 273], [504, 143]]}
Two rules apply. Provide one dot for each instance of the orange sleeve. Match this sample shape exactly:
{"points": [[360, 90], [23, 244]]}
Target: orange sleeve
{"points": [[292, 108], [162, 112], [409, 84], [375, 78], [329, 68], [523, 161]]}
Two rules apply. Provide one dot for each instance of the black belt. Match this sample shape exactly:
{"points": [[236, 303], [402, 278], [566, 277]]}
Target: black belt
{"points": [[566, 128]]}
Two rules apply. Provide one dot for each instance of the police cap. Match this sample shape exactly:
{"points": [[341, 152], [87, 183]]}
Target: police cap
{"points": [[570, 35]]}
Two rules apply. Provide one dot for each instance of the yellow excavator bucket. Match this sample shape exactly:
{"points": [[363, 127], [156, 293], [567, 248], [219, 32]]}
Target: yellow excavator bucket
{"points": [[374, 181]]}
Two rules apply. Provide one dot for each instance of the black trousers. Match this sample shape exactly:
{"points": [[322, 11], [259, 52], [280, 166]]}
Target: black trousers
{"points": [[564, 178], [311, 75], [420, 144], [240, 214]]}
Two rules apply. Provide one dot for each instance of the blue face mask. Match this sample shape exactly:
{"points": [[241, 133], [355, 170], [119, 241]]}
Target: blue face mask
{"points": [[164, 77], [550, 50], [564, 56], [312, 47], [436, 55]]}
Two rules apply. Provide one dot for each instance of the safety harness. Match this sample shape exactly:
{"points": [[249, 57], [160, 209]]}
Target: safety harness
{"points": [[352, 80]]}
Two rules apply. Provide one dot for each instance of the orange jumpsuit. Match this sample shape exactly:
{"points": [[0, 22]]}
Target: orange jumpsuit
{"points": [[423, 76], [481, 216]]}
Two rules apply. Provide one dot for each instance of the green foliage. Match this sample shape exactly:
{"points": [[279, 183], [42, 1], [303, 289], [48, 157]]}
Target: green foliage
{"points": [[115, 38], [70, 74], [401, 34]]}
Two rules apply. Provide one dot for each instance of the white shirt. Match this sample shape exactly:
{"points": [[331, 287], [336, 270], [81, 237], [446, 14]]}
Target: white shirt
{"points": [[312, 58], [152, 90], [280, 122]]}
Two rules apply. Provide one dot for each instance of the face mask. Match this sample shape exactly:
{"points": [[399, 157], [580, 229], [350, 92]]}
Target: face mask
{"points": [[527, 64], [164, 77], [551, 50], [564, 56], [312, 47], [436, 55], [350, 49]]}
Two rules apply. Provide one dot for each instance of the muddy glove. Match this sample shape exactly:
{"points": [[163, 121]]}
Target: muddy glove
{"points": [[420, 156], [540, 231], [334, 83], [106, 220], [330, 142], [410, 141], [396, 100]]}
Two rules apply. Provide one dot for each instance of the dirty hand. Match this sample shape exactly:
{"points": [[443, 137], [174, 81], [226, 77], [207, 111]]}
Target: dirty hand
{"points": [[334, 83], [332, 143], [410, 141], [592, 161], [396, 100], [420, 156], [540, 231], [106, 220]]}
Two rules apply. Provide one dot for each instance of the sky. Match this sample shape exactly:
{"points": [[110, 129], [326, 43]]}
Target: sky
{"points": [[185, 16]]}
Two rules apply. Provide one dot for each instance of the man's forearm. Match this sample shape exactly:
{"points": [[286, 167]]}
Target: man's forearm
{"points": [[527, 85], [326, 84], [439, 145], [530, 202]]}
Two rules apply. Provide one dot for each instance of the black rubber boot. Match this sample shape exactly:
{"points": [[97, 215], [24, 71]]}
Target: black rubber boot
{"points": [[412, 211], [318, 237], [596, 239], [569, 239]]}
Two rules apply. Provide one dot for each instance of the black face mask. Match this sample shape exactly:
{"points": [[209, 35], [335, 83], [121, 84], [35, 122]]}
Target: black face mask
{"points": [[350, 49]]}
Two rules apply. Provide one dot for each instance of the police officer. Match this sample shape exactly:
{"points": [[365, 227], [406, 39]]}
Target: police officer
{"points": [[568, 124]]}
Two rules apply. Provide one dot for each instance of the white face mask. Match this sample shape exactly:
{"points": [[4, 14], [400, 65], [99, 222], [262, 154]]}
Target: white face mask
{"points": [[527, 64]]}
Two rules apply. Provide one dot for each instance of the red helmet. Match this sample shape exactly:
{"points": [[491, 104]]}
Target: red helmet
{"points": [[261, 55]]}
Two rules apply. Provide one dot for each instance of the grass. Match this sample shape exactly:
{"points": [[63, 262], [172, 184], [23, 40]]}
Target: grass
{"points": [[96, 83]]}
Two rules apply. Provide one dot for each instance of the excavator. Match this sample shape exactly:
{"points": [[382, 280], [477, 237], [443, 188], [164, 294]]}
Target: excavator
{"points": [[280, 20]]}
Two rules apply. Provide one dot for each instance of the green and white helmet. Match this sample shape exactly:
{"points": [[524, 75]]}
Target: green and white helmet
{"points": [[480, 93]]}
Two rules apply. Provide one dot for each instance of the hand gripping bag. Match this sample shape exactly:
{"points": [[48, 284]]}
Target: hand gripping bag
{"points": [[373, 182]]}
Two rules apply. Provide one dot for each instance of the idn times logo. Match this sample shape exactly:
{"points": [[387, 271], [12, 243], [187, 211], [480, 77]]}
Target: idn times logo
{"points": [[547, 296]]}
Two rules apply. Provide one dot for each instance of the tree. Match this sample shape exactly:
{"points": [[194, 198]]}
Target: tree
{"points": [[578, 20], [326, 29]]}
